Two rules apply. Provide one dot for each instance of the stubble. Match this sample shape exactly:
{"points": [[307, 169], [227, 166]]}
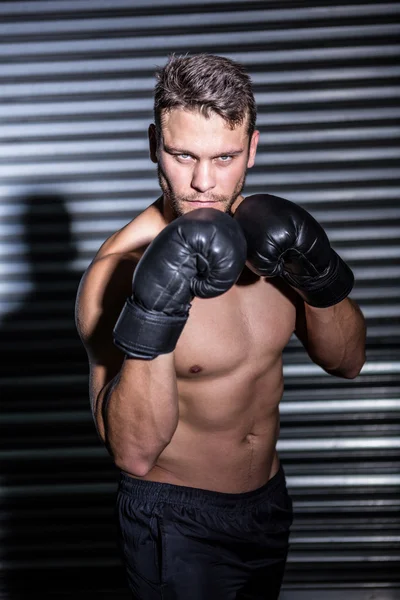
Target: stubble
{"points": [[181, 204]]}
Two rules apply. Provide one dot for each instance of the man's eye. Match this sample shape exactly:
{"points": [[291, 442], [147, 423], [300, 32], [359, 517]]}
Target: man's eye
{"points": [[225, 158], [184, 156]]}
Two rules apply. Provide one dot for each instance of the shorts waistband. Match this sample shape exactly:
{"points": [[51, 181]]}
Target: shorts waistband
{"points": [[144, 490]]}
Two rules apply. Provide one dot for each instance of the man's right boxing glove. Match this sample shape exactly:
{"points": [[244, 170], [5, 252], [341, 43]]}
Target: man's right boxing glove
{"points": [[201, 253]]}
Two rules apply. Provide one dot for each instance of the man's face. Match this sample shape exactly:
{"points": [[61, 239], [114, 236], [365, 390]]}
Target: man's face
{"points": [[201, 161]]}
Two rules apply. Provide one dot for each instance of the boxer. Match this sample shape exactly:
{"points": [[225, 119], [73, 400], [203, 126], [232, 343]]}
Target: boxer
{"points": [[184, 314]]}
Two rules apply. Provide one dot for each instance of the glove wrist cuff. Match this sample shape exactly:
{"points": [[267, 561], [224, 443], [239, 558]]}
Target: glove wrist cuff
{"points": [[145, 334], [330, 288]]}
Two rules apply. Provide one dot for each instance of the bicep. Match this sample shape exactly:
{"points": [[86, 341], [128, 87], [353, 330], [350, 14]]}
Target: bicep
{"points": [[105, 361], [101, 296], [101, 376]]}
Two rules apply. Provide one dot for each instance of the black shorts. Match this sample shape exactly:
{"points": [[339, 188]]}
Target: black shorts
{"points": [[184, 543]]}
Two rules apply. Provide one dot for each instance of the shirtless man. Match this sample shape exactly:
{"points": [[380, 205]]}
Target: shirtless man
{"points": [[185, 346]]}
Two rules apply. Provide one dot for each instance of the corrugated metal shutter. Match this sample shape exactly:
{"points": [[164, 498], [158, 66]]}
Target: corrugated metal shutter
{"points": [[76, 99]]}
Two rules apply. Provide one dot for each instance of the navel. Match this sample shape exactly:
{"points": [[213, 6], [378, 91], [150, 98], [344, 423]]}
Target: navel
{"points": [[195, 369]]}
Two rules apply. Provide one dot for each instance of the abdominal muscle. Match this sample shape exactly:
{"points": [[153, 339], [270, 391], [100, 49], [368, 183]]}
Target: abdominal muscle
{"points": [[228, 365], [227, 432]]}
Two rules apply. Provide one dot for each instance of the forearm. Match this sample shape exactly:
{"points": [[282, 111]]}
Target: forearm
{"points": [[137, 416], [335, 337]]}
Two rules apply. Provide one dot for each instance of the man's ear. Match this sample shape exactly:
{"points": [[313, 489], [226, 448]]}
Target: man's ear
{"points": [[153, 143], [253, 148]]}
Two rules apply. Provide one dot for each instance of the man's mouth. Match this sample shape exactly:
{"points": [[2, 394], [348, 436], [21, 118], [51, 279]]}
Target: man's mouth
{"points": [[202, 201]]}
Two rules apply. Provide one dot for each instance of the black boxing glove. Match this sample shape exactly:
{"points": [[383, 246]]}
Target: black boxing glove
{"points": [[284, 239], [201, 253]]}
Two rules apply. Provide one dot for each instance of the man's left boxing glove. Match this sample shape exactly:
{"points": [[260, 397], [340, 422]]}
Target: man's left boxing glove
{"points": [[284, 239]]}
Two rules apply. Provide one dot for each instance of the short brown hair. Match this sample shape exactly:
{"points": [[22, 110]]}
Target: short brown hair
{"points": [[207, 83]]}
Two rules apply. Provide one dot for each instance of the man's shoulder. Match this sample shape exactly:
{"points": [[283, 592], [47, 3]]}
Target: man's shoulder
{"points": [[103, 287], [135, 235], [107, 281], [120, 253]]}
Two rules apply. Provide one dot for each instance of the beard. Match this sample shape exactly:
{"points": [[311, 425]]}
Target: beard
{"points": [[178, 203]]}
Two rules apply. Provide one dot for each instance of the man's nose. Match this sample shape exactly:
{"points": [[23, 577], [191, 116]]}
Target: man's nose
{"points": [[203, 178]]}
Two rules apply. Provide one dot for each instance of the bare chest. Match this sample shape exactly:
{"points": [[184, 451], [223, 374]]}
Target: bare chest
{"points": [[249, 323]]}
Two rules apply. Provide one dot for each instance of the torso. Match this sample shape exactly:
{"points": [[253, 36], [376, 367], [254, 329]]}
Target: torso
{"points": [[229, 375]]}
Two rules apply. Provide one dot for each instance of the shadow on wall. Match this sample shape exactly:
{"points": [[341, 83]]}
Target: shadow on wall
{"points": [[58, 483]]}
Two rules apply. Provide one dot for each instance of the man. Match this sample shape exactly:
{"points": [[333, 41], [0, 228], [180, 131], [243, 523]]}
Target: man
{"points": [[185, 346]]}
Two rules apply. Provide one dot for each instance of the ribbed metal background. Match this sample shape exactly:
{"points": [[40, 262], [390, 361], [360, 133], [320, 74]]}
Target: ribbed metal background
{"points": [[76, 81]]}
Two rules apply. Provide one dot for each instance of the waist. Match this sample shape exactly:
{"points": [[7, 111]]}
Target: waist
{"points": [[145, 490], [231, 461]]}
